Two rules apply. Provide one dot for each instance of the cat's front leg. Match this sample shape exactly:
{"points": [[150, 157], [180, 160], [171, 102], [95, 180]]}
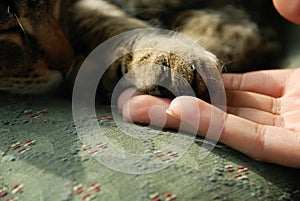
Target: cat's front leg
{"points": [[148, 59], [231, 35], [92, 22]]}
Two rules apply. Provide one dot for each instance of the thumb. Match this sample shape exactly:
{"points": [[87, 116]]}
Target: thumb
{"points": [[203, 117]]}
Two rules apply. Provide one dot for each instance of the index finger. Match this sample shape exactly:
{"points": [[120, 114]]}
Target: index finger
{"points": [[268, 82]]}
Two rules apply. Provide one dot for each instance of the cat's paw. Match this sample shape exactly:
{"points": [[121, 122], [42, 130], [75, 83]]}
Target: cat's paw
{"points": [[182, 70]]}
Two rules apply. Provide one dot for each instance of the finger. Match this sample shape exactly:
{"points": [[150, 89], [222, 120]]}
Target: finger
{"points": [[257, 116], [266, 143], [253, 100], [125, 96], [270, 82], [289, 9], [138, 109], [211, 119]]}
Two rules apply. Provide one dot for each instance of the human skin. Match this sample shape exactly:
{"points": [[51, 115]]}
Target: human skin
{"points": [[262, 119], [263, 113], [289, 9]]}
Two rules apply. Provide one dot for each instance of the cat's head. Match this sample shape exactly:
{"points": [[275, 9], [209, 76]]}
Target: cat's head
{"points": [[34, 52]]}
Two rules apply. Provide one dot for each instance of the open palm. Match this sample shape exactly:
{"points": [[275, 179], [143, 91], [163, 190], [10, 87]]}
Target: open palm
{"points": [[262, 119], [270, 101]]}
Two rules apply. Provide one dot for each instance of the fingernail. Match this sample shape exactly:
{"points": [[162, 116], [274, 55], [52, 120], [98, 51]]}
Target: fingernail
{"points": [[187, 111], [170, 111], [174, 108], [184, 107]]}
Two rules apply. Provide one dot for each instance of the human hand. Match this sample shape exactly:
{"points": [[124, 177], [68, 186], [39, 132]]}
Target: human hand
{"points": [[262, 119], [289, 9]]}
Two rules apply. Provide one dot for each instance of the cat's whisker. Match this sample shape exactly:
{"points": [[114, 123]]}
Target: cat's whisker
{"points": [[22, 28], [136, 11], [225, 65], [198, 39]]}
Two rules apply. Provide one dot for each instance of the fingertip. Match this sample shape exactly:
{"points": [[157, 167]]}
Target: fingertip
{"points": [[188, 104], [125, 96], [177, 105], [201, 116], [174, 108], [186, 108], [125, 111], [135, 109]]}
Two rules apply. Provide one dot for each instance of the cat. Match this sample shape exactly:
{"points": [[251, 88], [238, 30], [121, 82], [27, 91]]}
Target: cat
{"points": [[43, 42]]}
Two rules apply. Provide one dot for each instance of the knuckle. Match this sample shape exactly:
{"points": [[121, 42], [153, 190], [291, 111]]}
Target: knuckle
{"points": [[259, 153]]}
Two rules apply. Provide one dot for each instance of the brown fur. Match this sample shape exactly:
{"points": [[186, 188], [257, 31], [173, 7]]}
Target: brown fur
{"points": [[40, 39]]}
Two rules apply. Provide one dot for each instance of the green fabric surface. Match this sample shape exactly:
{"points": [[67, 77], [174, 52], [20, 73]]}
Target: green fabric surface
{"points": [[57, 161]]}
